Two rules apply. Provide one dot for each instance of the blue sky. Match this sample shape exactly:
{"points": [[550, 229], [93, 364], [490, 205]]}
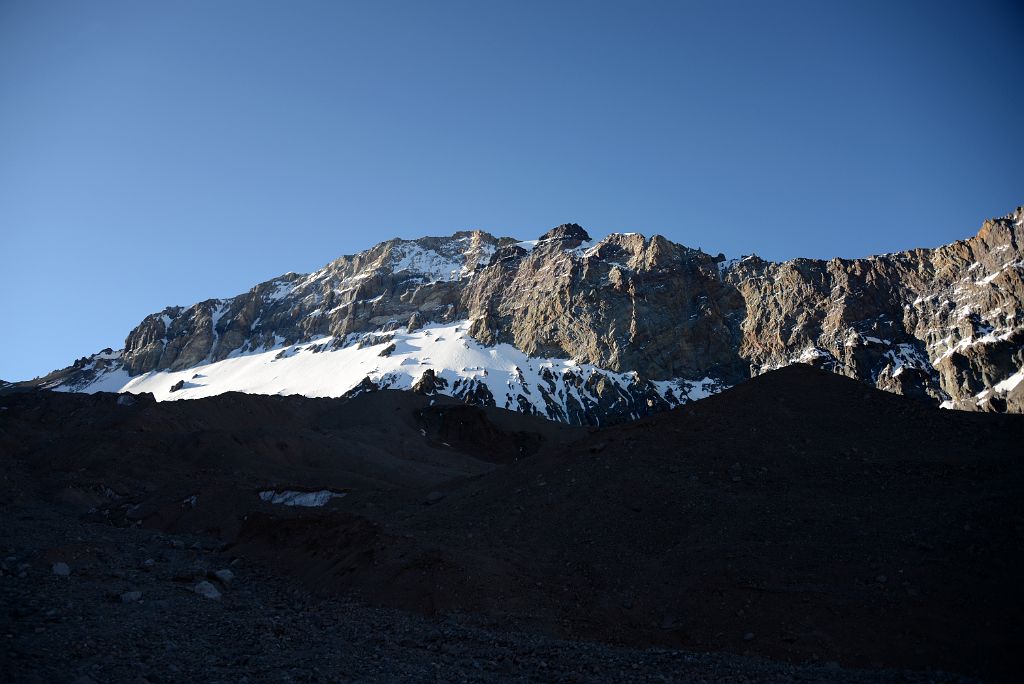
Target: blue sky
{"points": [[163, 153]]}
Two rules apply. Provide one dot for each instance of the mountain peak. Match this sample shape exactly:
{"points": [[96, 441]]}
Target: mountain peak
{"points": [[567, 232]]}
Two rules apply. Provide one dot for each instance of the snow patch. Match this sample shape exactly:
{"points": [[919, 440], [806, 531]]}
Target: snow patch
{"points": [[1010, 383], [306, 499]]}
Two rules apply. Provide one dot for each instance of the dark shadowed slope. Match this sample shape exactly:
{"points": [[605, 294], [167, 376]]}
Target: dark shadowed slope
{"points": [[829, 520], [98, 450], [799, 516]]}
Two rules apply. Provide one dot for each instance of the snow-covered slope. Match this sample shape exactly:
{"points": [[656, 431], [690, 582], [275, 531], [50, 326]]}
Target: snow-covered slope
{"points": [[438, 358]]}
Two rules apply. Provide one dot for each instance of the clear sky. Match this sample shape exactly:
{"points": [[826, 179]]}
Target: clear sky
{"points": [[159, 153]]}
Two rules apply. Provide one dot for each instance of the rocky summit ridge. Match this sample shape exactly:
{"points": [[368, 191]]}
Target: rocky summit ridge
{"points": [[592, 332]]}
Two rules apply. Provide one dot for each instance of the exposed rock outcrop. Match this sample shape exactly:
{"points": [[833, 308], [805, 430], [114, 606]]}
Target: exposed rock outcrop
{"points": [[940, 324], [943, 323]]}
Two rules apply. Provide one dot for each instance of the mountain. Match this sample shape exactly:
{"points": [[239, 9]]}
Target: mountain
{"points": [[592, 332]]}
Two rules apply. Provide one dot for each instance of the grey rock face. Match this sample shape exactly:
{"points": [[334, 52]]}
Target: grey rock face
{"points": [[393, 283], [626, 303], [940, 324]]}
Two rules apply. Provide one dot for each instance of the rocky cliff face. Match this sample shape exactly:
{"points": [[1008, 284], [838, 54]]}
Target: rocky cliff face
{"points": [[939, 323], [374, 290], [633, 325], [625, 303]]}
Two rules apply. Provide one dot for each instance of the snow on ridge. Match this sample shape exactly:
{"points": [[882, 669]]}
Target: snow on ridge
{"points": [[990, 335], [411, 257], [995, 274], [111, 380], [1001, 388], [321, 368], [1010, 383], [408, 256], [215, 315], [726, 264], [584, 248], [905, 355], [811, 354]]}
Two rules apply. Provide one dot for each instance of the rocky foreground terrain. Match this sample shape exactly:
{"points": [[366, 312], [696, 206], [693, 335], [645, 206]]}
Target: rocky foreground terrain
{"points": [[798, 527], [128, 610], [613, 330]]}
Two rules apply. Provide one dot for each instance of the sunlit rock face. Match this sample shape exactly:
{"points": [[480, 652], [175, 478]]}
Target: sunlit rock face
{"points": [[592, 332], [943, 323]]}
